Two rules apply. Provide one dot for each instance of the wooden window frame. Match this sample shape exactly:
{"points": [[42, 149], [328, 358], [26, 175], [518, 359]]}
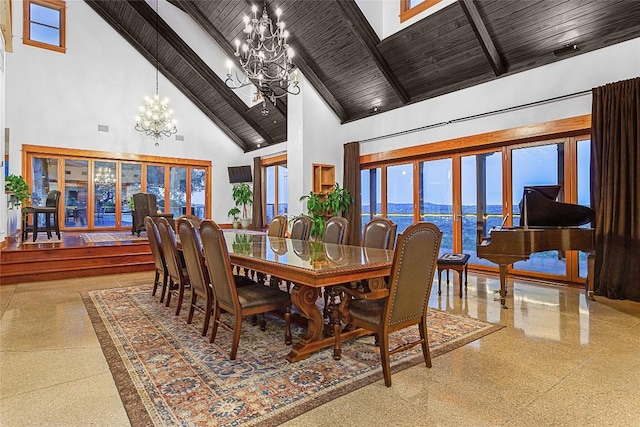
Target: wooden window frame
{"points": [[408, 12], [58, 5]]}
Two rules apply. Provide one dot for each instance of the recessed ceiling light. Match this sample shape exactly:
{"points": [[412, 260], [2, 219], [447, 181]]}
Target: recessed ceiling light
{"points": [[566, 50]]}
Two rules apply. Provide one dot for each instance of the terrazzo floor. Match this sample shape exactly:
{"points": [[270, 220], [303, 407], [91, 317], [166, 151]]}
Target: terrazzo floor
{"points": [[561, 360]]}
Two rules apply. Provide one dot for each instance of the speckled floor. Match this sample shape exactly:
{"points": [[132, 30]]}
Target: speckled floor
{"points": [[561, 360]]}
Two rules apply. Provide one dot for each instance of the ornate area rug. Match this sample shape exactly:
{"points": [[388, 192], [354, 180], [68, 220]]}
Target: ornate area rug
{"points": [[111, 237], [168, 374]]}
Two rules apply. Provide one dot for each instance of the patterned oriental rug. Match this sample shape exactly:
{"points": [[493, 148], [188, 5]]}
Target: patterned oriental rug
{"points": [[111, 237], [168, 374]]}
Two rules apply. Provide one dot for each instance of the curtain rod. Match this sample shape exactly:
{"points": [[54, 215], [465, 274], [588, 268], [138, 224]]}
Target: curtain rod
{"points": [[477, 116]]}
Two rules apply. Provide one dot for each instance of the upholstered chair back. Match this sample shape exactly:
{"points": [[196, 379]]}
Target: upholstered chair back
{"points": [[277, 226], [216, 257], [379, 233], [193, 258], [414, 263], [300, 228], [335, 230]]}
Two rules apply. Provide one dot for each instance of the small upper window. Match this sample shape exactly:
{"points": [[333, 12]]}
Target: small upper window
{"points": [[44, 24], [410, 8]]}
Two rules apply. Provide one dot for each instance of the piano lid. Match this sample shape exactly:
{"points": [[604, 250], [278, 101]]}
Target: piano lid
{"points": [[539, 208]]}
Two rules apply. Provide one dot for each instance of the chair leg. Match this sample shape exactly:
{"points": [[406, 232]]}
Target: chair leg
{"points": [[207, 316], [422, 326], [439, 277], [156, 282], [180, 298], [169, 288], [384, 358], [165, 279], [287, 326], [192, 307], [263, 322], [236, 336], [337, 350], [216, 321]]}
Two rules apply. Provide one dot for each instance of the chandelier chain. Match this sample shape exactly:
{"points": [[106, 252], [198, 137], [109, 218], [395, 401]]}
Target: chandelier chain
{"points": [[156, 118]]}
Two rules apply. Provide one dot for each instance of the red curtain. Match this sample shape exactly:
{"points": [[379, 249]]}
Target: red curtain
{"points": [[615, 188]]}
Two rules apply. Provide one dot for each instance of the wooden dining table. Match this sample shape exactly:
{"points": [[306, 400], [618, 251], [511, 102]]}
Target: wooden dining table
{"points": [[310, 266]]}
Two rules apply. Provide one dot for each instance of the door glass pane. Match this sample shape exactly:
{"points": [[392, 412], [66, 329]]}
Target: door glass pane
{"points": [[371, 189], [584, 191], [481, 200], [282, 190], [539, 165], [155, 184], [177, 191], [104, 193], [270, 187], [198, 187], [436, 199], [76, 200], [400, 195], [44, 179], [131, 183]]}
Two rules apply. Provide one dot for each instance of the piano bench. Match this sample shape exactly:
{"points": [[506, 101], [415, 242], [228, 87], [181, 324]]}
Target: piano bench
{"points": [[457, 262]]}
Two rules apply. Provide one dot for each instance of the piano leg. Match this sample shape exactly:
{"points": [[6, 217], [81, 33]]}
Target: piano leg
{"points": [[503, 285]]}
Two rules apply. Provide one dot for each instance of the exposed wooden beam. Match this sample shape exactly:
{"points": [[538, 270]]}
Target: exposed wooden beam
{"points": [[315, 81], [483, 36], [191, 9], [97, 7], [198, 65], [366, 34]]}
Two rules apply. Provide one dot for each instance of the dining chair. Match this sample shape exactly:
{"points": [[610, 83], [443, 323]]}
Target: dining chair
{"points": [[50, 210], [198, 275], [277, 226], [402, 304], [336, 231], [178, 275], [239, 301], [158, 258], [300, 228], [195, 220], [379, 233]]}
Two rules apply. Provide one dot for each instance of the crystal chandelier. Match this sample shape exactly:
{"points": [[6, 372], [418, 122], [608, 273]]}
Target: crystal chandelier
{"points": [[265, 58], [156, 118], [104, 177]]}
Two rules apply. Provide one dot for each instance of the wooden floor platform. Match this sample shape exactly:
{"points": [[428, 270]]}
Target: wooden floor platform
{"points": [[72, 257]]}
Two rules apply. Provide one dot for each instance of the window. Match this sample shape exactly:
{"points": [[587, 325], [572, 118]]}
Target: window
{"points": [[44, 24], [275, 187], [410, 8]]}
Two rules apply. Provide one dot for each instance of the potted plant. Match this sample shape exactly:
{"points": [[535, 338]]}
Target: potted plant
{"points": [[234, 213], [322, 206], [243, 196], [18, 191]]}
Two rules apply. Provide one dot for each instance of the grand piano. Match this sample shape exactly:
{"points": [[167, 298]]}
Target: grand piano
{"points": [[545, 225]]}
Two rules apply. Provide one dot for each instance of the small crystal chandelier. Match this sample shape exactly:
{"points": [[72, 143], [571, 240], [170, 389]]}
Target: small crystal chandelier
{"points": [[156, 118], [265, 58], [104, 177]]}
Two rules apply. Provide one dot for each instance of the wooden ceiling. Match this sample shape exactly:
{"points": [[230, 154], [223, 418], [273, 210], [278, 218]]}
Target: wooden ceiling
{"points": [[464, 44]]}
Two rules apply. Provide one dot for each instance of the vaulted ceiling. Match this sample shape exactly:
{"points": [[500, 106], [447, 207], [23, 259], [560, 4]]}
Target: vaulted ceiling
{"points": [[339, 53]]}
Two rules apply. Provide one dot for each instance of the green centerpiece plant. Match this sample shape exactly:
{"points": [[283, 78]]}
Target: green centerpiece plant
{"points": [[322, 206]]}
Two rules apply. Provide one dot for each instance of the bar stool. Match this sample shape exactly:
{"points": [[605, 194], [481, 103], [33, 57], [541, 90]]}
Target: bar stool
{"points": [[457, 262], [50, 212]]}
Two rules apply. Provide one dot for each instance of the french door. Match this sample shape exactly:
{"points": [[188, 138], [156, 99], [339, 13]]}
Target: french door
{"points": [[468, 194]]}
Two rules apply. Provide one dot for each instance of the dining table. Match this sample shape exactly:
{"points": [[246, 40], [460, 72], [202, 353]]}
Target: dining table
{"points": [[310, 266]]}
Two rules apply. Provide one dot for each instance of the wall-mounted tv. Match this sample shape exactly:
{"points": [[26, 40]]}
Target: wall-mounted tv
{"points": [[240, 174]]}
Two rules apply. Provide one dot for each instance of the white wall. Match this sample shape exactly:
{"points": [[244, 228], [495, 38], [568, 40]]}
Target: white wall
{"points": [[580, 73], [313, 133], [59, 100]]}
